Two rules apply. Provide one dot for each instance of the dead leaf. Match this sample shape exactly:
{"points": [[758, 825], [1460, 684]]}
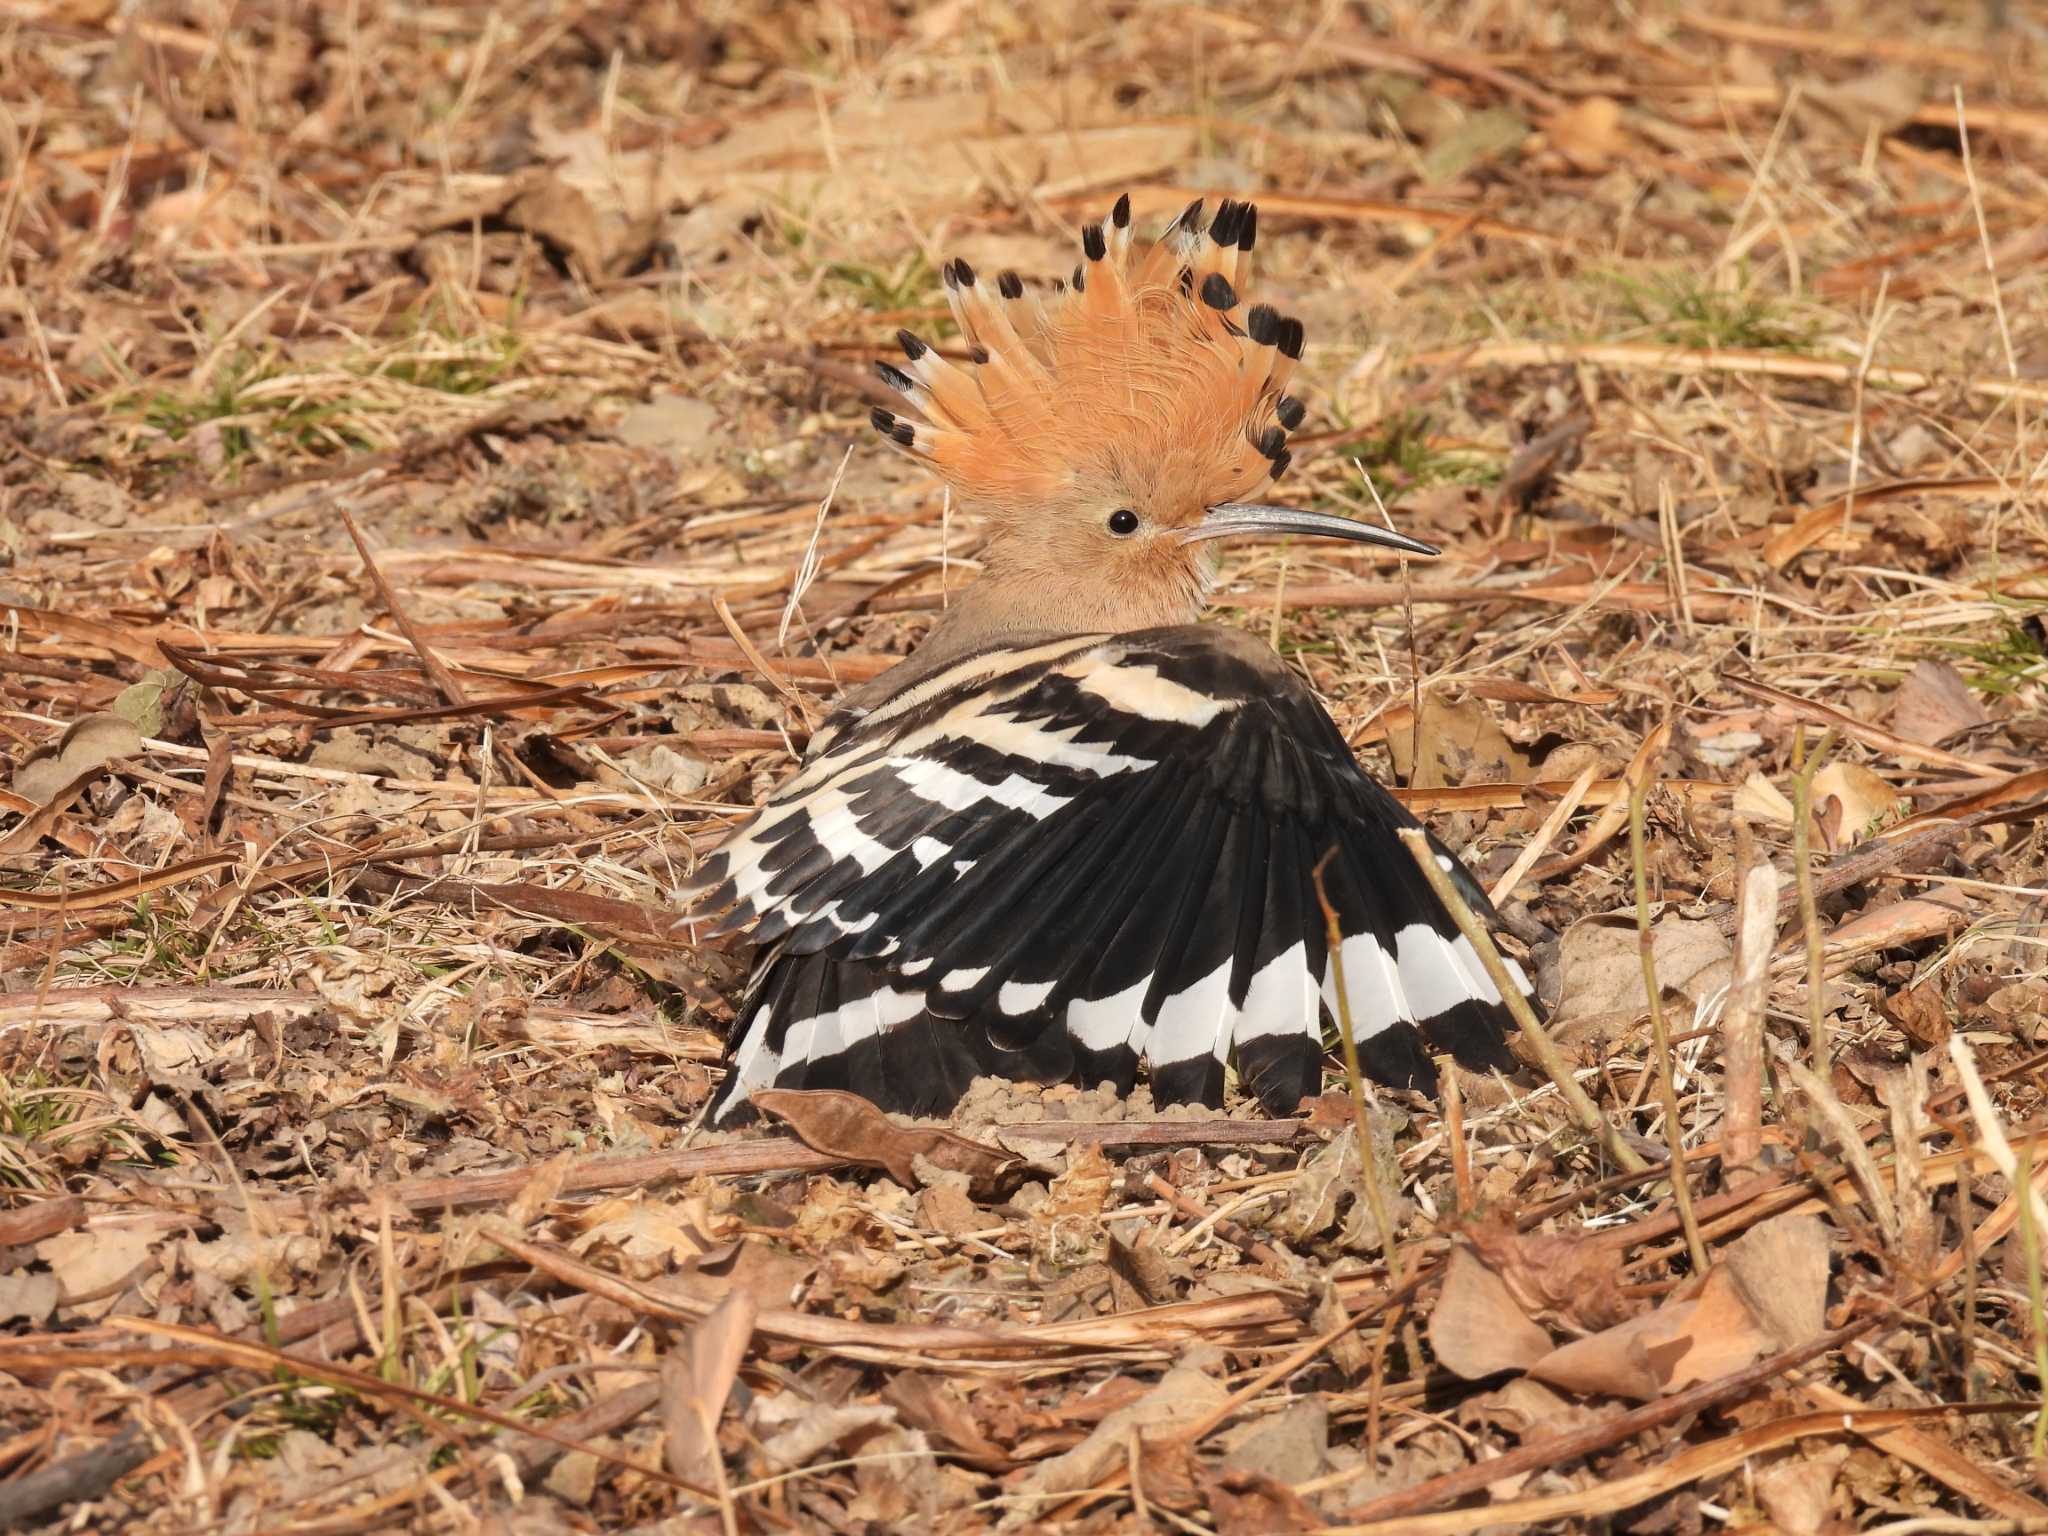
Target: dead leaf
{"points": [[1797, 1491], [1552, 1276], [1291, 1446], [812, 1427], [1934, 703], [1588, 132], [1484, 135], [1139, 1275], [1880, 103], [1328, 1191], [88, 744], [678, 424], [946, 1208], [1084, 1189], [1866, 801], [1758, 799], [1184, 1395], [1602, 971], [1662, 1351], [936, 1406], [1781, 1268], [1255, 1504], [649, 1236], [846, 1125], [1920, 1011], [94, 1262], [30, 1298], [540, 1190], [1894, 925], [696, 1380], [1477, 1329], [1455, 743]]}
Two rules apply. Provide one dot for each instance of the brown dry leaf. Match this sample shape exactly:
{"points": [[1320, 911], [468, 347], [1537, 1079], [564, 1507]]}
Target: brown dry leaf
{"points": [[1920, 1011], [88, 743], [1455, 743], [936, 1406], [1878, 103], [1528, 1410], [1564, 1277], [94, 1262], [696, 1380], [1084, 1189], [932, 153], [1477, 1328], [1139, 1275], [1662, 1351], [1602, 965], [1866, 801], [1254, 1504], [648, 1236], [846, 1125], [1769, 1292], [1290, 1446], [794, 1431], [1185, 1394], [1588, 133], [31, 1299], [1327, 1191], [1478, 137], [1934, 703], [1781, 1268], [1758, 799], [1797, 1491], [540, 1190], [1892, 926], [945, 1208]]}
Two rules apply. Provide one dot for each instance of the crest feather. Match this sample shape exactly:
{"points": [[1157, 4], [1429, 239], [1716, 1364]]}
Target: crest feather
{"points": [[1153, 360]]}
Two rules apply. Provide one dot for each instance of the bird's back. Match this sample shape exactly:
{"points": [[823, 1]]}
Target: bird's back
{"points": [[1057, 858]]}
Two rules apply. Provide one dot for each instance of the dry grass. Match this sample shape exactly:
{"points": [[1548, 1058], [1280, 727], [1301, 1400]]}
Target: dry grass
{"points": [[347, 1063]]}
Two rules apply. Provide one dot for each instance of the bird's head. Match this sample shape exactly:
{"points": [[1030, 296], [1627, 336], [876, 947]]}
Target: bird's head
{"points": [[1109, 431]]}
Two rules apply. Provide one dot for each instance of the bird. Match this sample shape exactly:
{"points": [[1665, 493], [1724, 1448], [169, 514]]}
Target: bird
{"points": [[1077, 830]]}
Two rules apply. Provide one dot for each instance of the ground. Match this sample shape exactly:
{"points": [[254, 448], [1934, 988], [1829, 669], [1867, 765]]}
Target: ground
{"points": [[438, 500]]}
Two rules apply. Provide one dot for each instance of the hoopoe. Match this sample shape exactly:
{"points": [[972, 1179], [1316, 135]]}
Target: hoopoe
{"points": [[1076, 829]]}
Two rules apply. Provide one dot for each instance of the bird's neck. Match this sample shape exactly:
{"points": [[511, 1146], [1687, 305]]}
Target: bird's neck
{"points": [[1020, 593], [1016, 602]]}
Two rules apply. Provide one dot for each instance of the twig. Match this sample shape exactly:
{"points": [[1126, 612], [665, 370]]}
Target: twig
{"points": [[1553, 824], [1368, 1158], [1712, 360], [1660, 1033], [1368, 1154], [1556, 1451], [1548, 1056], [1809, 907], [1454, 1131], [436, 669], [1232, 1233], [28, 1500], [1742, 1016]]}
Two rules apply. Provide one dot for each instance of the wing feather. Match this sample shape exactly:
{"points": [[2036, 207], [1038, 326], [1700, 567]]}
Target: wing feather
{"points": [[1109, 853]]}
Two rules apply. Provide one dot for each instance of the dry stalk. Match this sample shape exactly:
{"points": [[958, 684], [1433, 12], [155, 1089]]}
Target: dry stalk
{"points": [[1809, 908], [1660, 1033], [1548, 1056], [1368, 1155], [1742, 1016]]}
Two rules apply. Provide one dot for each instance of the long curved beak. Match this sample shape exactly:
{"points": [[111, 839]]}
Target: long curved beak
{"points": [[1234, 517]]}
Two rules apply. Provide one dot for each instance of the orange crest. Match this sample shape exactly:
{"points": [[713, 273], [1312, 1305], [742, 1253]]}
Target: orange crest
{"points": [[1149, 368]]}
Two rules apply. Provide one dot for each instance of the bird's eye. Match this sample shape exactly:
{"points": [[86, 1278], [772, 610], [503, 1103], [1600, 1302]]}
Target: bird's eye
{"points": [[1123, 522]]}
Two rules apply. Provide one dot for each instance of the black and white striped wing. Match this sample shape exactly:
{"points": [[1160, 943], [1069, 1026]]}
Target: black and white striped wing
{"points": [[1058, 859]]}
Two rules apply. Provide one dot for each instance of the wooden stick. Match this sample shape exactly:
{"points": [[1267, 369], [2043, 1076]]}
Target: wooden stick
{"points": [[443, 679]]}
